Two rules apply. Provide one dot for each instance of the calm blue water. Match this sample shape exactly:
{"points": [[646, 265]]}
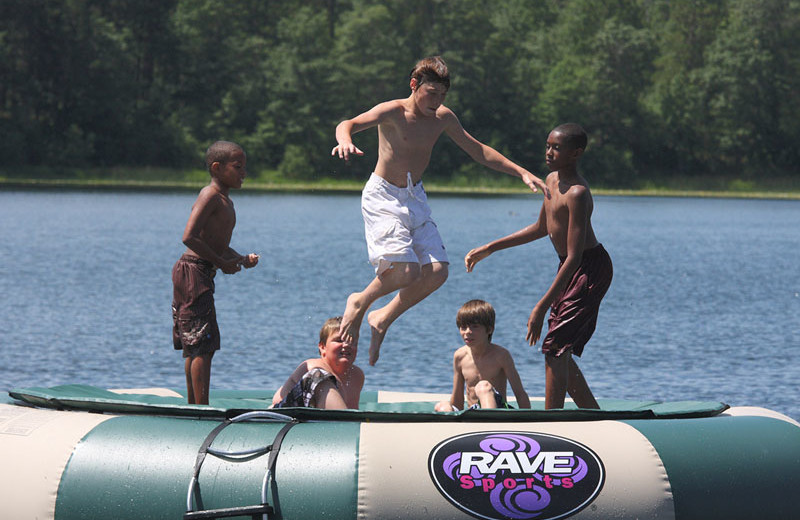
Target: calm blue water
{"points": [[705, 302]]}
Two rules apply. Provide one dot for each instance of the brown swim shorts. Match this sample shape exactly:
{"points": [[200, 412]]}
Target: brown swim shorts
{"points": [[573, 315], [194, 319]]}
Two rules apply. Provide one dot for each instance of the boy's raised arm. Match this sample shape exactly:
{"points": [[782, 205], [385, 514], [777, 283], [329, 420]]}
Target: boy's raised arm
{"points": [[488, 156], [345, 130]]}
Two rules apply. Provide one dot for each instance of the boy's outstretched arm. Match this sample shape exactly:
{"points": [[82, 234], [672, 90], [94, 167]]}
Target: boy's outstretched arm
{"points": [[488, 156], [527, 234], [578, 201], [345, 130]]}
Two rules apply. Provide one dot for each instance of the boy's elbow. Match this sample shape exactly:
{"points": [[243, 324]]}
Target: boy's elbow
{"points": [[344, 128], [188, 239]]}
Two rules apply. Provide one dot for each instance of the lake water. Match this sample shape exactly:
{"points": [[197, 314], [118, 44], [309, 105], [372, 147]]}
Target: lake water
{"points": [[705, 302]]}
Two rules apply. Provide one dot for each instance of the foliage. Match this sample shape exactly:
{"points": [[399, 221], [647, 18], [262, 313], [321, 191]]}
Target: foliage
{"points": [[681, 88]]}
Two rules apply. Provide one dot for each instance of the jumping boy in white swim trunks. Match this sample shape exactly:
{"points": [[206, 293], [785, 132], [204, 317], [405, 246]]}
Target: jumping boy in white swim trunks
{"points": [[403, 243]]}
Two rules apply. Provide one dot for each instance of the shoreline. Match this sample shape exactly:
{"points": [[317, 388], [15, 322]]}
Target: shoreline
{"points": [[323, 187]]}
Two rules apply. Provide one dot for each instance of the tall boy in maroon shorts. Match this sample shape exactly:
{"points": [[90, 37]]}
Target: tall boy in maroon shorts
{"points": [[207, 237], [584, 273]]}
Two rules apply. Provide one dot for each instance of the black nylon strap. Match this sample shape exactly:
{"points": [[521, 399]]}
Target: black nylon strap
{"points": [[201, 453], [276, 446]]}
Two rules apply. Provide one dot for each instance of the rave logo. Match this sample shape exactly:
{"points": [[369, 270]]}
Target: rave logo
{"points": [[516, 475]]}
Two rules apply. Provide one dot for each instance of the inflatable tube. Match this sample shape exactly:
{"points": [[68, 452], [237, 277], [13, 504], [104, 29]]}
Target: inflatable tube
{"points": [[392, 459]]}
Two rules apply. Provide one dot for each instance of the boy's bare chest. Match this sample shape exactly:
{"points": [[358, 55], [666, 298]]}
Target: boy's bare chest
{"points": [[556, 209], [474, 370], [414, 131]]}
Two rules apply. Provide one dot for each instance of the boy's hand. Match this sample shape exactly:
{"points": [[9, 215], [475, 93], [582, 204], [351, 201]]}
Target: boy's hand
{"points": [[250, 260], [535, 323], [232, 266], [475, 256], [535, 183], [344, 151]]}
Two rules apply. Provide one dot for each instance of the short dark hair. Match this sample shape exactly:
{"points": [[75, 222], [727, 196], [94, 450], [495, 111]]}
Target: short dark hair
{"points": [[431, 70], [574, 133], [476, 312], [221, 152]]}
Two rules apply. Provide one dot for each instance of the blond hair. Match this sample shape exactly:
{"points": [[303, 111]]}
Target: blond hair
{"points": [[330, 326]]}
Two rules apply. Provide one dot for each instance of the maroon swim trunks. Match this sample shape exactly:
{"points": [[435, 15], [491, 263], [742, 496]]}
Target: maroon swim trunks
{"points": [[573, 315], [194, 318]]}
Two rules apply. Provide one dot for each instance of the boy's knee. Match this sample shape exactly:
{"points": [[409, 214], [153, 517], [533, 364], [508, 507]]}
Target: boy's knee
{"points": [[483, 388], [437, 273], [443, 406]]}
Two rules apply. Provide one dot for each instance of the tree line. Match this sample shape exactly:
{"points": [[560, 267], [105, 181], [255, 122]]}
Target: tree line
{"points": [[663, 87]]}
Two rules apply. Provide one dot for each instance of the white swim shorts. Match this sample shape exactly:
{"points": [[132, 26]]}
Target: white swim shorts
{"points": [[398, 225]]}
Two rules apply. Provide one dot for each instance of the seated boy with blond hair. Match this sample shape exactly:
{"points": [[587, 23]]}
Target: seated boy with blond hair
{"points": [[330, 381], [480, 366]]}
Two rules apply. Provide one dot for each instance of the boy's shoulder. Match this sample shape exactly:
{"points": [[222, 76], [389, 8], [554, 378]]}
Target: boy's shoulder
{"points": [[460, 351], [210, 193], [573, 187], [492, 351], [393, 105], [499, 355], [357, 373], [498, 350], [313, 363]]}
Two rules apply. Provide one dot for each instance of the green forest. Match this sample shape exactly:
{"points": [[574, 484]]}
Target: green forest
{"points": [[668, 90]]}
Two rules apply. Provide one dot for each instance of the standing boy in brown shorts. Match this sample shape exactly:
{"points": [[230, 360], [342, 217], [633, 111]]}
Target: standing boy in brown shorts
{"points": [[207, 237], [584, 273]]}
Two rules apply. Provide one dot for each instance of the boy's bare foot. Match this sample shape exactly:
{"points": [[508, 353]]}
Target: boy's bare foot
{"points": [[351, 319], [378, 333]]}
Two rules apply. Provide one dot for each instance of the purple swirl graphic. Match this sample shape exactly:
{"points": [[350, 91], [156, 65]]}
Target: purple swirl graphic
{"points": [[450, 465], [495, 444], [579, 469], [519, 502]]}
